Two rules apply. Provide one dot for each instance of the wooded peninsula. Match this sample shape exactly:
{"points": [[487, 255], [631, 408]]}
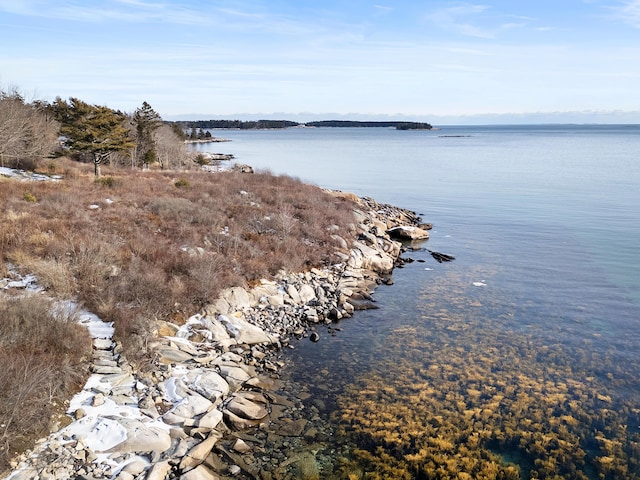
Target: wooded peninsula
{"points": [[272, 124]]}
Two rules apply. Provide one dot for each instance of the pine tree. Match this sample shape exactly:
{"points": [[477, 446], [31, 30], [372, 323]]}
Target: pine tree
{"points": [[146, 121], [97, 130]]}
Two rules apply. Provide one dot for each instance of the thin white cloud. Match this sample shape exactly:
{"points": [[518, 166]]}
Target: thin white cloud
{"points": [[140, 3], [476, 20], [456, 19], [383, 9], [629, 12]]}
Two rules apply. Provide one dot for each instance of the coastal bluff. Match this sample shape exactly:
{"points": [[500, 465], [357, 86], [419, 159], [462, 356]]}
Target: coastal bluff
{"points": [[208, 407]]}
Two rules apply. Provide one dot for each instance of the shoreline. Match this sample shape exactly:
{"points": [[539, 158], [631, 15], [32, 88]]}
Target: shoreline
{"points": [[207, 140], [210, 395]]}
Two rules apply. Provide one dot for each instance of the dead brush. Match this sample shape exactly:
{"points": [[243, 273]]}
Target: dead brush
{"points": [[44, 355], [153, 251], [127, 256]]}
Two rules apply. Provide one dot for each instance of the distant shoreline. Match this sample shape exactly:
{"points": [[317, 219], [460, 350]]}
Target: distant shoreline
{"points": [[207, 140], [281, 124]]}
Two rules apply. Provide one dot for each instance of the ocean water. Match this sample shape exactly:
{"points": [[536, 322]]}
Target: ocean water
{"points": [[522, 355]]}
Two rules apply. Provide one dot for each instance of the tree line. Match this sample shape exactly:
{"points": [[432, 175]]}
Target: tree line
{"points": [[368, 124], [236, 124], [30, 130], [197, 126]]}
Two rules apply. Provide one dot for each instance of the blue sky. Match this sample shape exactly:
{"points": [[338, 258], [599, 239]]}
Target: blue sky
{"points": [[364, 59]]}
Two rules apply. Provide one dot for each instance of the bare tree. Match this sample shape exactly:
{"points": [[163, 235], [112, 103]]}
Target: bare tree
{"points": [[27, 130], [171, 151]]}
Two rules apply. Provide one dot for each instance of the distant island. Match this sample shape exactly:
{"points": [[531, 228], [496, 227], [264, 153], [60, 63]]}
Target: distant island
{"points": [[278, 124], [236, 124], [350, 123]]}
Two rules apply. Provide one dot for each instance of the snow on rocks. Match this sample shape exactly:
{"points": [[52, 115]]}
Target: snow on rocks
{"points": [[26, 175], [212, 374]]}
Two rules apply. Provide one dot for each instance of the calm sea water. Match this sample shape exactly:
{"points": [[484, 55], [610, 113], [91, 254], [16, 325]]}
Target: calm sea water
{"points": [[544, 222]]}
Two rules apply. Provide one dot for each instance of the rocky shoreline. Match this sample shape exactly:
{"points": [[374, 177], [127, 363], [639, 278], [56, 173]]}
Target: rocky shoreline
{"points": [[209, 409]]}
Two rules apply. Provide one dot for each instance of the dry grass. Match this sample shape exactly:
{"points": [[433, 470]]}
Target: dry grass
{"points": [[157, 246], [145, 245], [134, 247], [41, 353]]}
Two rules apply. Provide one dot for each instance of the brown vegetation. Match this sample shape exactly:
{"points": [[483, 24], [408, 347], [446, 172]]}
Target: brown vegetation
{"points": [[41, 351], [138, 246], [463, 401], [27, 132]]}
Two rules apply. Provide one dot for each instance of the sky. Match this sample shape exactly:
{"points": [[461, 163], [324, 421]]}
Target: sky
{"points": [[490, 61]]}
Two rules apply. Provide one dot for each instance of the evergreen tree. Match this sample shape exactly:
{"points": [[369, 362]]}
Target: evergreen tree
{"points": [[96, 130], [146, 121]]}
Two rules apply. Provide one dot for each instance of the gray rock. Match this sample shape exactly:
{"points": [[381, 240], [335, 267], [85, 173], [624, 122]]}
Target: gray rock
{"points": [[243, 331], [201, 472], [245, 408], [307, 293], [294, 294], [408, 232], [209, 384], [196, 455], [142, 437], [159, 471]]}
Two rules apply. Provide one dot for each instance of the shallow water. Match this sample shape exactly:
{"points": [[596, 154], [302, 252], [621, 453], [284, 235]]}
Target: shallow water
{"points": [[523, 352]]}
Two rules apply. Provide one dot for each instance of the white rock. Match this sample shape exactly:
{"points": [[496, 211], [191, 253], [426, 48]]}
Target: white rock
{"points": [[210, 420], [246, 408], [209, 384], [241, 446], [243, 331], [294, 294], [307, 293], [196, 455], [159, 471], [142, 437], [408, 232], [199, 473], [237, 298]]}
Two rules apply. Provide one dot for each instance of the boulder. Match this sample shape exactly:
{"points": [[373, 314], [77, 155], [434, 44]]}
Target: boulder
{"points": [[276, 300], [243, 331], [307, 293], [363, 256], [199, 453], [210, 420], [234, 375], [237, 298], [142, 437], [189, 407], [239, 423], [201, 472], [245, 408], [159, 471], [294, 294], [408, 233], [208, 383]]}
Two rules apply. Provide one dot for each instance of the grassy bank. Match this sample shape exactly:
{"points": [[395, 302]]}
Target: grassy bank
{"points": [[137, 246]]}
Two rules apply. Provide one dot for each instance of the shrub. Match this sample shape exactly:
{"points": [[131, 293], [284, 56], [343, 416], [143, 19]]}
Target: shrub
{"points": [[29, 197], [182, 183], [157, 245], [201, 159], [108, 182], [44, 355]]}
